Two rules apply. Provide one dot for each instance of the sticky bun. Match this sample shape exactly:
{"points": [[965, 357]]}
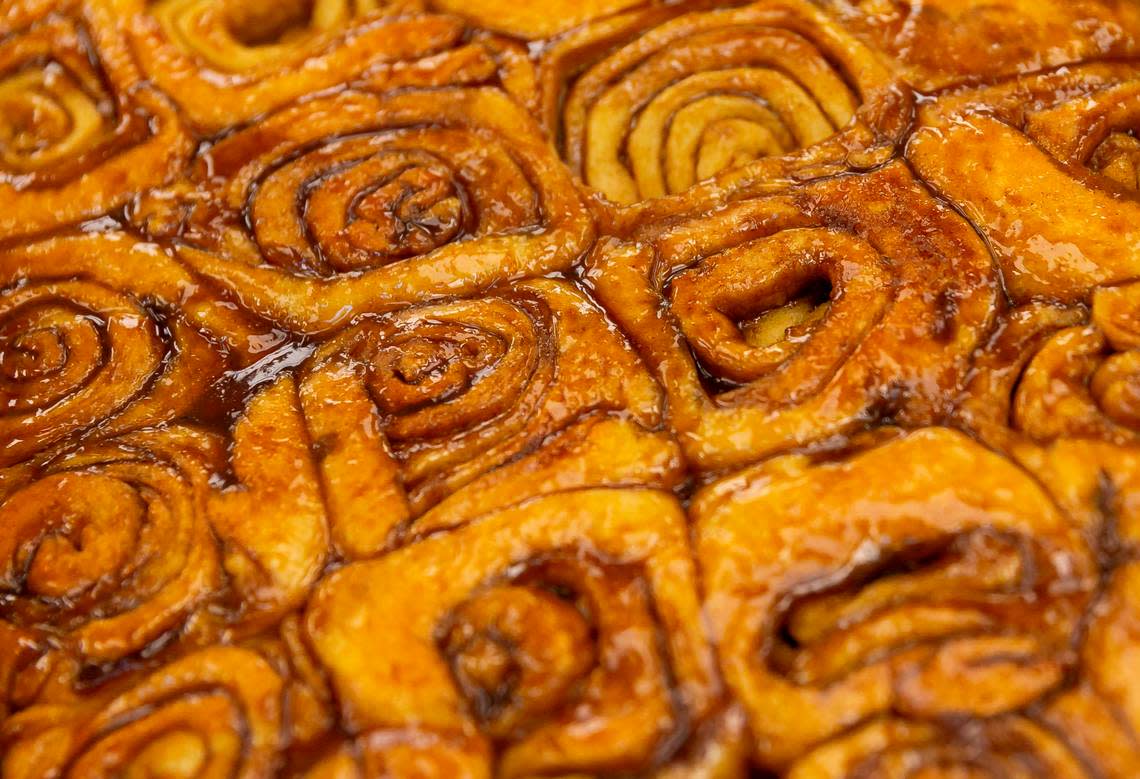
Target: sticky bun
{"points": [[705, 389]]}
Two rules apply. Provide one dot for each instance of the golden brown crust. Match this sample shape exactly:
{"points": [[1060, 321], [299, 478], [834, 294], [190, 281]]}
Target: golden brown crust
{"points": [[937, 43], [692, 390], [1057, 140]]}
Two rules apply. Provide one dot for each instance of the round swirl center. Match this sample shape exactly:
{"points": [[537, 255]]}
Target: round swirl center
{"points": [[352, 206], [259, 23], [46, 117], [420, 369], [46, 352], [517, 653], [794, 297], [411, 213], [33, 122], [236, 35], [33, 354], [96, 521], [443, 370]]}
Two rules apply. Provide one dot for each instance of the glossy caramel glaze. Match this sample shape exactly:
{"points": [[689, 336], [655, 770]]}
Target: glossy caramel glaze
{"points": [[610, 388]]}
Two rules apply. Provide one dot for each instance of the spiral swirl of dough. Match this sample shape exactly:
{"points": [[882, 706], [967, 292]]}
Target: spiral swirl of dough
{"points": [[76, 353], [79, 133], [946, 591], [682, 97], [359, 203], [100, 334], [109, 547], [561, 636], [1085, 381], [779, 327], [216, 712], [226, 62], [407, 408]]}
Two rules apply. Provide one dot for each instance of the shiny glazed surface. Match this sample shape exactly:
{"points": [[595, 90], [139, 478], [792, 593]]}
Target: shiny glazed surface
{"points": [[431, 389]]}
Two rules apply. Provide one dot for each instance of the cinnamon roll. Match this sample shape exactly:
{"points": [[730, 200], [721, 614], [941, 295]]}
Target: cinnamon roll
{"points": [[100, 334], [937, 43], [650, 103], [1043, 166], [560, 636], [80, 131], [108, 548], [227, 62], [782, 321], [113, 546], [216, 712], [942, 627], [367, 203], [407, 408], [614, 388], [1055, 372]]}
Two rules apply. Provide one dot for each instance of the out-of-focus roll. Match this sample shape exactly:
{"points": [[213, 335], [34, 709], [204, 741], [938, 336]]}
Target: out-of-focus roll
{"points": [[80, 132], [531, 20], [650, 103]]}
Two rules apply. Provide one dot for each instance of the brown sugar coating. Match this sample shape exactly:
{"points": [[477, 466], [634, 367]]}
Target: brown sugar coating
{"points": [[693, 390]]}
